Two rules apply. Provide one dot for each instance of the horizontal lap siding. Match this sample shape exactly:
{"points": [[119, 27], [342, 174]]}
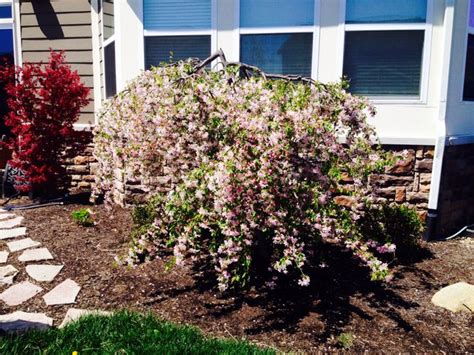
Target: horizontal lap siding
{"points": [[60, 25]]}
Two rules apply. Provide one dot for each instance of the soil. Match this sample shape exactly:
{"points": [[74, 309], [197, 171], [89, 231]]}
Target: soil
{"points": [[398, 317]]}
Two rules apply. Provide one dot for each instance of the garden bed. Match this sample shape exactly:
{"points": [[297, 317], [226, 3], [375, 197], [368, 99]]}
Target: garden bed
{"points": [[341, 299]]}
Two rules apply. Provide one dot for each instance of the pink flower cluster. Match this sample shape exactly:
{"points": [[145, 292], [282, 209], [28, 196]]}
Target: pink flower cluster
{"points": [[239, 163]]}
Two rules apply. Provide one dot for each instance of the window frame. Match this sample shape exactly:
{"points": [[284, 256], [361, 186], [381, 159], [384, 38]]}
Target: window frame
{"points": [[427, 27], [469, 31], [12, 24], [105, 43], [314, 29], [212, 32]]}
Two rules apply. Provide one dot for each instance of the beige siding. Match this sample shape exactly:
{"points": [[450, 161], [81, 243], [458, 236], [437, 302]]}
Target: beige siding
{"points": [[60, 25]]}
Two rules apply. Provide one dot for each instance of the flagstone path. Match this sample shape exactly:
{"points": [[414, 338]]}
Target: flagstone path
{"points": [[14, 244]]}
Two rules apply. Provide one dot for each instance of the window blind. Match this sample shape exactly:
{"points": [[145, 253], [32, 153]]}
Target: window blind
{"points": [[278, 53], [276, 13], [383, 11], [177, 14], [158, 49], [384, 62], [469, 74]]}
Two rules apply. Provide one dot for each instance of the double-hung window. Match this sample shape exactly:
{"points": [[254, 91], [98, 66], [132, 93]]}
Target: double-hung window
{"points": [[385, 46], [279, 36], [108, 33], [468, 94], [177, 29]]}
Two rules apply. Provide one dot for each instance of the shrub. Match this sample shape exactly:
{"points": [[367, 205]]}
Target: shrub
{"points": [[246, 160], [83, 217], [388, 224], [44, 101]]}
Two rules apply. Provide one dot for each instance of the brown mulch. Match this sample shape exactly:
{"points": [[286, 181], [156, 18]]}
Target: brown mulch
{"points": [[394, 318]]}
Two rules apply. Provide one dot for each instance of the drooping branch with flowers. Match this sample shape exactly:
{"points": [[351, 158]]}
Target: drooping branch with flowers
{"points": [[238, 159]]}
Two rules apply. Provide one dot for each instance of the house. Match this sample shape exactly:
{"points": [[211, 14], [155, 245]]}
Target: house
{"points": [[413, 58]]}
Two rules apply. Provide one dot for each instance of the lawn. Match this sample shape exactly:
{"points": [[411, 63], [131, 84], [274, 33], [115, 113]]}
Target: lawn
{"points": [[123, 333]]}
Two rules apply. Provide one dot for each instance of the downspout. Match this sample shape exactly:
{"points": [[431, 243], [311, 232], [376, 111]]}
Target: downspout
{"points": [[432, 217]]}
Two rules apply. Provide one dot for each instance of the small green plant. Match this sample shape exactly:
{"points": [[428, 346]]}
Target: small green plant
{"points": [[83, 217], [345, 340]]}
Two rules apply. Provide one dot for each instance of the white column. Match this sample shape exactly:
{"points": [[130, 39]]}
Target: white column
{"points": [[129, 43]]}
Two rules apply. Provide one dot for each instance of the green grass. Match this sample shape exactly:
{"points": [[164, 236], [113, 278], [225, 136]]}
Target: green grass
{"points": [[123, 333]]}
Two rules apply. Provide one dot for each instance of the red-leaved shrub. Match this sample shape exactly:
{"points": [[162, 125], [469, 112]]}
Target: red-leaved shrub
{"points": [[44, 101]]}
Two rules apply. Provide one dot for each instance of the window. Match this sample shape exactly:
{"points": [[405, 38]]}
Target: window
{"points": [[468, 94], [177, 29], [279, 36], [385, 43], [7, 51], [109, 47]]}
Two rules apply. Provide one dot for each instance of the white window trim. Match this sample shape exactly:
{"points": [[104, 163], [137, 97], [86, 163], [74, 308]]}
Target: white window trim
{"points": [[426, 56], [13, 24], [469, 31], [212, 32], [105, 43], [314, 29]]}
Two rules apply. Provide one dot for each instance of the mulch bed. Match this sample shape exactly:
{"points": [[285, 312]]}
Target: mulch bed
{"points": [[394, 318]]}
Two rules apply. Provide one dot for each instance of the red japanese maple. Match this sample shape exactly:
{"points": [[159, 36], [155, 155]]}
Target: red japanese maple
{"points": [[44, 101]]}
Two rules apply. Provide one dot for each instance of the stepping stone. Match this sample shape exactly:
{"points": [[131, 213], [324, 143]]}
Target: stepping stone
{"points": [[43, 273], [456, 297], [3, 256], [35, 255], [74, 314], [22, 244], [19, 293], [64, 293], [12, 233], [4, 216], [20, 321], [10, 223], [7, 273]]}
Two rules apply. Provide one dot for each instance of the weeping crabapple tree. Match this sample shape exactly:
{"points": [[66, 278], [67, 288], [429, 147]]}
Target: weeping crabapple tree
{"points": [[44, 101], [246, 160]]}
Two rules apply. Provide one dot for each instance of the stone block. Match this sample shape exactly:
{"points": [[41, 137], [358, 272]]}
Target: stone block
{"points": [[84, 185], [35, 255], [64, 293], [424, 165], [73, 314], [400, 194], [416, 197], [429, 153], [403, 166], [12, 233], [21, 244], [81, 160], [345, 201], [19, 293], [20, 321], [77, 169], [425, 178]]}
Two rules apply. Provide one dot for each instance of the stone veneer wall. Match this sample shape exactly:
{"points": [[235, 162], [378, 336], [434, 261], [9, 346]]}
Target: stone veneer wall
{"points": [[456, 199], [407, 182], [80, 163]]}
